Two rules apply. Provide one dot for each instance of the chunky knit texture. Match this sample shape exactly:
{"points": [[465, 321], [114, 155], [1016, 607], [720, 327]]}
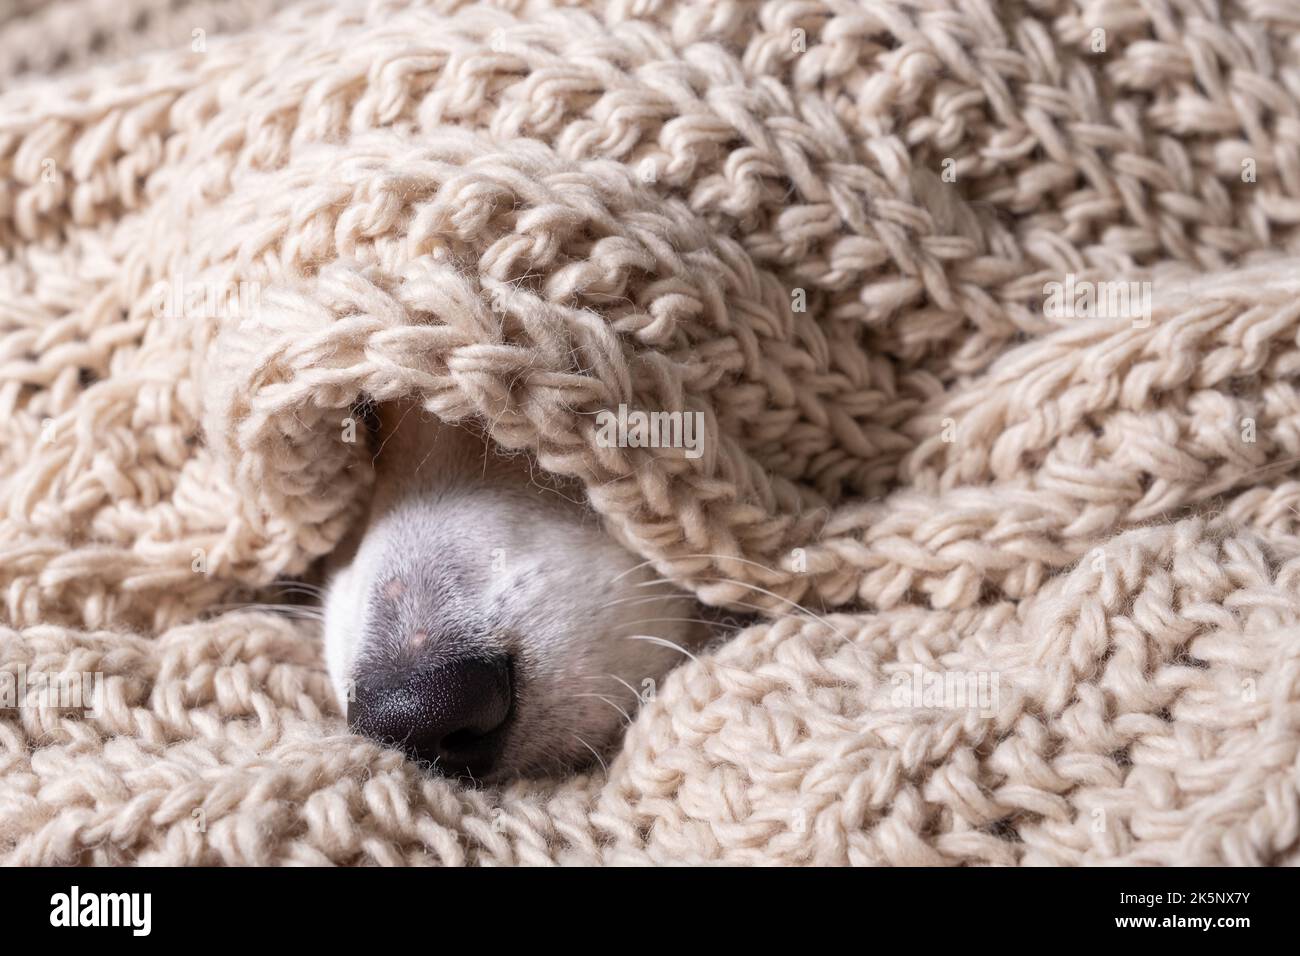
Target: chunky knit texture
{"points": [[827, 226]]}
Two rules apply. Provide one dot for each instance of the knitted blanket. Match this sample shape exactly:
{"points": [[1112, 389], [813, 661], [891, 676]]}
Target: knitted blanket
{"points": [[992, 313]]}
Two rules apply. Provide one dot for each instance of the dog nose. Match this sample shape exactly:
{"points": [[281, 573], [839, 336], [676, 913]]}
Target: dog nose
{"points": [[452, 715]]}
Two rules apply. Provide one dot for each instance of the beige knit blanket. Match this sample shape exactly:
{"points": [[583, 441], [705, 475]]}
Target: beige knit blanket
{"points": [[1028, 558]]}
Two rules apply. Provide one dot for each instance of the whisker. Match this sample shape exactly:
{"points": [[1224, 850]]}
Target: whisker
{"points": [[794, 604], [635, 567], [603, 766], [626, 715], [302, 586], [651, 639], [630, 688], [299, 596], [635, 600], [684, 620], [732, 557], [730, 604], [287, 610], [746, 604], [691, 557], [1280, 463]]}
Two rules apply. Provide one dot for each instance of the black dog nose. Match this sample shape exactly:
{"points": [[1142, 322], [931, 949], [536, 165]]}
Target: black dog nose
{"points": [[452, 715]]}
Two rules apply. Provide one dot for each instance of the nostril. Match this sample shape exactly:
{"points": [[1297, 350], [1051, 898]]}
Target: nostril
{"points": [[452, 715]]}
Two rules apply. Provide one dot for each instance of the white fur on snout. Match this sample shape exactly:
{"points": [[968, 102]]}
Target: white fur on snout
{"points": [[518, 573], [343, 607]]}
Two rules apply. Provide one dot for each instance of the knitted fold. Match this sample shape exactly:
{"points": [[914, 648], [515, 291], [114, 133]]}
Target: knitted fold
{"points": [[838, 234]]}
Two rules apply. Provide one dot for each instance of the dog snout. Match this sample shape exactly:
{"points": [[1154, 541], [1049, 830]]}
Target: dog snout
{"points": [[452, 715]]}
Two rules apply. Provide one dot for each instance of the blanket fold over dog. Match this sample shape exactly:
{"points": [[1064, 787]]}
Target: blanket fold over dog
{"points": [[989, 316]]}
